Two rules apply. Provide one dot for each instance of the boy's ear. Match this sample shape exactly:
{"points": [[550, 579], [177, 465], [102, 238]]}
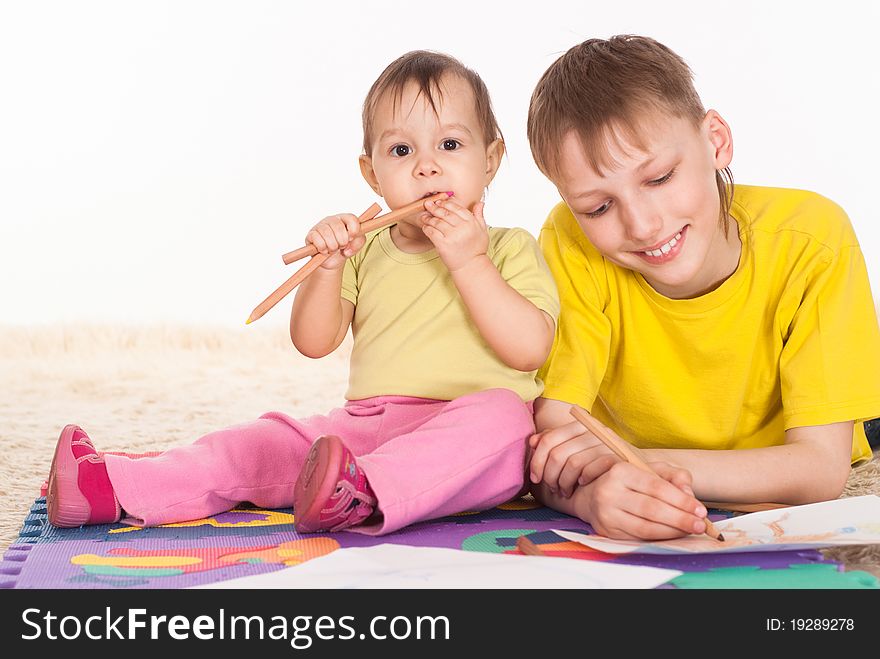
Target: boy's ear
{"points": [[494, 153], [720, 138], [369, 175]]}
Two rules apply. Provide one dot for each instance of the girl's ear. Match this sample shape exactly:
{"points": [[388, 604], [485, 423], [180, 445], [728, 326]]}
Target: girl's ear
{"points": [[369, 174], [494, 153], [720, 139]]}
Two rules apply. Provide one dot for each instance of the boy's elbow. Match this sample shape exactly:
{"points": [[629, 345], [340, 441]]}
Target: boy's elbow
{"points": [[836, 477], [829, 488], [836, 482]]}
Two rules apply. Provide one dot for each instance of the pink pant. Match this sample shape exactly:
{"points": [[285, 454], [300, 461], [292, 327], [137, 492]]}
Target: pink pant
{"points": [[423, 458]]}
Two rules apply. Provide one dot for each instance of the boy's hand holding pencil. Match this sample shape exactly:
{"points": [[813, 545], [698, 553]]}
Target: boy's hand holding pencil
{"points": [[626, 452]]}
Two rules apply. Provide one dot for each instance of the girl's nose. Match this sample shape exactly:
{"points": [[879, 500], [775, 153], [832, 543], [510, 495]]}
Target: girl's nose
{"points": [[425, 167]]}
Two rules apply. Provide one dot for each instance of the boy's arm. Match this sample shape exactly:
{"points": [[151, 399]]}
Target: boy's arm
{"points": [[618, 499], [813, 465], [319, 318]]}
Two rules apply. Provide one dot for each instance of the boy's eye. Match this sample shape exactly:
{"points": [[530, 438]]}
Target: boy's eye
{"points": [[450, 145], [400, 150], [596, 213], [662, 179]]}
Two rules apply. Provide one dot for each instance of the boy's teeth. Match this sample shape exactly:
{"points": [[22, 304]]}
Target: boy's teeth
{"points": [[665, 248]]}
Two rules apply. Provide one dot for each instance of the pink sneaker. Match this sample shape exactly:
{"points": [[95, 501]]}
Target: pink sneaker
{"points": [[79, 489], [331, 492]]}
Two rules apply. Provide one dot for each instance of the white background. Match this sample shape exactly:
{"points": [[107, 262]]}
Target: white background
{"points": [[157, 158]]}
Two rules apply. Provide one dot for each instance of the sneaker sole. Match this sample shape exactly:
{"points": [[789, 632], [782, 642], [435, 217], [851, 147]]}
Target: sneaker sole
{"points": [[74, 510], [316, 482]]}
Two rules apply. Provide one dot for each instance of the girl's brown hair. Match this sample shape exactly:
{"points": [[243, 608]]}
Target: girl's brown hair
{"points": [[602, 88], [426, 69]]}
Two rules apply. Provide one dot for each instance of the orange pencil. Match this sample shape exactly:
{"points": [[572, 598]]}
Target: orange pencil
{"points": [[371, 224], [623, 450], [297, 278], [743, 507], [528, 547]]}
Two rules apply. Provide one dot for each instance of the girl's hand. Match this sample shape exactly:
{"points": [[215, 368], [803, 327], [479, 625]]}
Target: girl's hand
{"points": [[566, 457], [627, 503], [338, 235], [458, 234]]}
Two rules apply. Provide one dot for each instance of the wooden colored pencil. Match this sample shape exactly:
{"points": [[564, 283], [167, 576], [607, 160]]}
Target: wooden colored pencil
{"points": [[371, 224], [299, 276], [623, 450], [743, 507], [528, 547]]}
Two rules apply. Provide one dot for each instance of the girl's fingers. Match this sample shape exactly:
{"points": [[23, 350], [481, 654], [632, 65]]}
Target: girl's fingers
{"points": [[317, 240], [432, 232], [340, 233], [355, 245], [333, 232], [437, 226], [353, 225], [449, 210]]}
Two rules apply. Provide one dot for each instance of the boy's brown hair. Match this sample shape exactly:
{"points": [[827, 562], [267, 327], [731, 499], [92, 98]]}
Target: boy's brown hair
{"points": [[426, 69], [602, 86]]}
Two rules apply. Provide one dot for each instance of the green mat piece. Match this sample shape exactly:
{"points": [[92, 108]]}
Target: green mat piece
{"points": [[797, 576]]}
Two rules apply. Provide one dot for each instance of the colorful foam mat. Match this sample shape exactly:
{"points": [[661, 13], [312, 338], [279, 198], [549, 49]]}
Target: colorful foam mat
{"points": [[248, 541]]}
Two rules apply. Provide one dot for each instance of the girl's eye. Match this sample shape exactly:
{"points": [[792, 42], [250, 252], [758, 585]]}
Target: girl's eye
{"points": [[450, 145], [599, 211], [400, 150], [662, 179]]}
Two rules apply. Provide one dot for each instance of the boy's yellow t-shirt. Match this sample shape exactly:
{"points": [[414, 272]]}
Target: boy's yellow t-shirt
{"points": [[413, 335], [789, 339]]}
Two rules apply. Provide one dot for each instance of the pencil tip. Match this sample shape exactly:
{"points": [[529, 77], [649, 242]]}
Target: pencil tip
{"points": [[720, 537], [247, 322]]}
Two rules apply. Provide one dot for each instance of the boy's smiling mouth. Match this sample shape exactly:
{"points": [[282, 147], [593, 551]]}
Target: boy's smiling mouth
{"points": [[666, 251]]}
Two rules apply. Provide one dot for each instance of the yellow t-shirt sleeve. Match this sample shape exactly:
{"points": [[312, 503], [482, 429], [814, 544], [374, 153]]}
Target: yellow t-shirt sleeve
{"points": [[350, 271], [521, 264], [349, 283], [581, 347], [833, 335]]}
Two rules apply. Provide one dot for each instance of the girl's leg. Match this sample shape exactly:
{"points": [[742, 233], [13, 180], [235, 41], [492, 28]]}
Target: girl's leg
{"points": [[257, 462], [470, 454]]}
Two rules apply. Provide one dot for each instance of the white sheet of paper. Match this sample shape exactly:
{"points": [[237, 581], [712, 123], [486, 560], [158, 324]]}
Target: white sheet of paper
{"points": [[850, 521], [402, 566]]}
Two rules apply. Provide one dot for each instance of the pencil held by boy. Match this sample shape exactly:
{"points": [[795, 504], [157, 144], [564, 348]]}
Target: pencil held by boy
{"points": [[439, 404], [727, 331]]}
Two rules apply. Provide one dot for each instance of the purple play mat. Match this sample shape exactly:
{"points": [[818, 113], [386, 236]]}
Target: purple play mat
{"points": [[246, 541]]}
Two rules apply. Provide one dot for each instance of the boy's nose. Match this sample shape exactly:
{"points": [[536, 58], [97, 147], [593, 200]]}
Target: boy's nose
{"points": [[643, 225]]}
